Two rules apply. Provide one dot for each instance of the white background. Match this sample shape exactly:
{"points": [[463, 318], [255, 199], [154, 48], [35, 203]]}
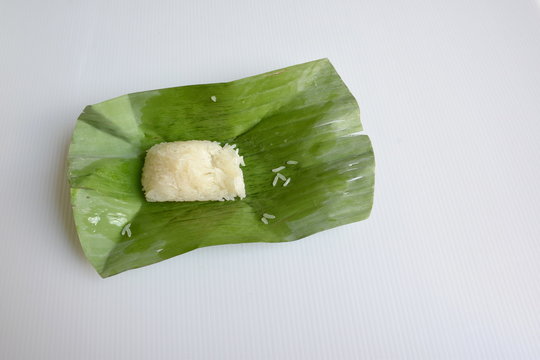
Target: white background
{"points": [[448, 265]]}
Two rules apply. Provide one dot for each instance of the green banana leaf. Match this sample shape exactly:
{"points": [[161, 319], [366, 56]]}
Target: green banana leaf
{"points": [[303, 113]]}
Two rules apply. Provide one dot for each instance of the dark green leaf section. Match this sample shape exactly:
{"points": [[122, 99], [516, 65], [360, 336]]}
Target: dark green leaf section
{"points": [[303, 113]]}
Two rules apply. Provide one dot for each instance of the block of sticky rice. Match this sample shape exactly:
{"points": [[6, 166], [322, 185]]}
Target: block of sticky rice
{"points": [[196, 170]]}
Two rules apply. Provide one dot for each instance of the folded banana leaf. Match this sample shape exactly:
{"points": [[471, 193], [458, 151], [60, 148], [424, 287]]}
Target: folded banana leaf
{"points": [[302, 113]]}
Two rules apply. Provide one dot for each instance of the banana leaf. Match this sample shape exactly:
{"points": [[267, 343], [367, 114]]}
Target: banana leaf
{"points": [[303, 113]]}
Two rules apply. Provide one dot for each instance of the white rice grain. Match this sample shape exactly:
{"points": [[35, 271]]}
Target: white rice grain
{"points": [[278, 169], [292, 162], [268, 216], [287, 182], [214, 98], [126, 230], [276, 178], [282, 177], [263, 219]]}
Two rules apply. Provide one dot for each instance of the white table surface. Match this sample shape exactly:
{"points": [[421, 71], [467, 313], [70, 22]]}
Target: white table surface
{"points": [[448, 265]]}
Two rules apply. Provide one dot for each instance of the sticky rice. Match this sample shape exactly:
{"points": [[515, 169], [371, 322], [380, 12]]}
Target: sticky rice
{"points": [[196, 170]]}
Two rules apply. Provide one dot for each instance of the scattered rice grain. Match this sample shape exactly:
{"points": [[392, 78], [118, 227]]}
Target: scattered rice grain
{"points": [[263, 219], [287, 182], [278, 169], [126, 230], [268, 216], [292, 162]]}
